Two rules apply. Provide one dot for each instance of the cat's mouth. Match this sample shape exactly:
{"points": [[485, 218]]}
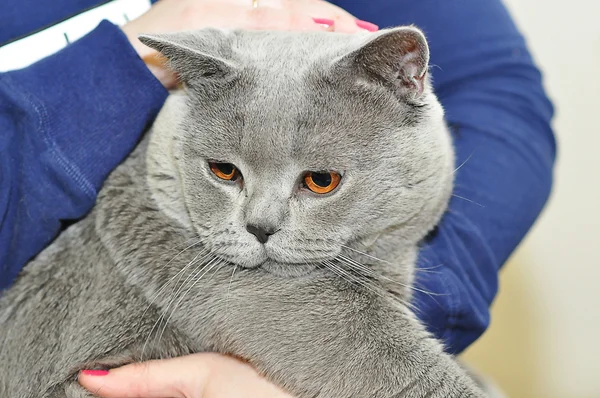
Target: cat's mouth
{"points": [[284, 262], [288, 269]]}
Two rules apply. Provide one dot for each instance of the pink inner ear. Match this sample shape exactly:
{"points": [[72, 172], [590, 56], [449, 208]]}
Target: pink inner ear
{"points": [[409, 75], [412, 70], [399, 57], [420, 82]]}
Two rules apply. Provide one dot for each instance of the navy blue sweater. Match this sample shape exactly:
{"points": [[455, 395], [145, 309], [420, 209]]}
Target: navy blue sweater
{"points": [[68, 120]]}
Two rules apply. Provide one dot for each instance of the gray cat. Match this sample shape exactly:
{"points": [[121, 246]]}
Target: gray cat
{"points": [[273, 213]]}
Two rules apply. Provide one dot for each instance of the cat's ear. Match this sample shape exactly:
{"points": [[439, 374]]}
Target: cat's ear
{"points": [[193, 55], [397, 57]]}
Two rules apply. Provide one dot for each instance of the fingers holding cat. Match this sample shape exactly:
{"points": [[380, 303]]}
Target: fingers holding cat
{"points": [[181, 15], [342, 20], [204, 375]]}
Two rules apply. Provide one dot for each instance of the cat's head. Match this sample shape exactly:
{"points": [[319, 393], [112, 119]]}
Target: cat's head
{"points": [[289, 146]]}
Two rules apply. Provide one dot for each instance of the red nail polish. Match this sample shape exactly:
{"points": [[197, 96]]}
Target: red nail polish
{"points": [[324, 21], [371, 27], [95, 372]]}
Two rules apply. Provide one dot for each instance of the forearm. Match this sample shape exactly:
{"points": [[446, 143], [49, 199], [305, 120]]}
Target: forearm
{"points": [[67, 121]]}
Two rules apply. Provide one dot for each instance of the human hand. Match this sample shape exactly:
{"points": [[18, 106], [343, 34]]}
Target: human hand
{"points": [[179, 15], [205, 375]]}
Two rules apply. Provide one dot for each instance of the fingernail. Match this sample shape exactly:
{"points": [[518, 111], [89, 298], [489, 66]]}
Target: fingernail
{"points": [[95, 372], [371, 27], [324, 21]]}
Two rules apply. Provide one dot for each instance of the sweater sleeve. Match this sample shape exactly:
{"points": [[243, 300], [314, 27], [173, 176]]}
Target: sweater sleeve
{"points": [[493, 97], [65, 123]]}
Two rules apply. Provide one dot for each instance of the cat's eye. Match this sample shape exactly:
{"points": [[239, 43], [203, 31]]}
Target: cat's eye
{"points": [[225, 171], [322, 182]]}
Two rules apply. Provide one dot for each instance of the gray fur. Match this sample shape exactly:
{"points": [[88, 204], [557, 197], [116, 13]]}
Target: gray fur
{"points": [[163, 266]]}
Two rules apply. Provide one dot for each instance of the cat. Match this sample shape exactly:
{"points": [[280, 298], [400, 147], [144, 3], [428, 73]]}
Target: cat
{"points": [[273, 212]]}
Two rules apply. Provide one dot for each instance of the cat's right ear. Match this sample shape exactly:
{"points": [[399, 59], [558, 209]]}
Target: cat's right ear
{"points": [[397, 58], [191, 55]]}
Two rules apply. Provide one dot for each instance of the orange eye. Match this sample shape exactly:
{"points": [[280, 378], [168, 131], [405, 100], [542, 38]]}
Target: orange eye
{"points": [[225, 171], [322, 182]]}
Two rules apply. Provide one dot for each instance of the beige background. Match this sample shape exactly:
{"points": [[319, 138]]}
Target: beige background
{"points": [[545, 334]]}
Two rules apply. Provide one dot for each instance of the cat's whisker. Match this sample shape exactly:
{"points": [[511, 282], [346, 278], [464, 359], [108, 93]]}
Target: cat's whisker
{"points": [[194, 261], [423, 258], [161, 317], [198, 241], [463, 163], [414, 288], [329, 265], [429, 270], [179, 272], [352, 263], [348, 276], [229, 290], [382, 276], [358, 265], [201, 266], [164, 286], [468, 200], [219, 262], [186, 242], [431, 66], [356, 280], [361, 268], [368, 255], [391, 296], [371, 273], [174, 276]]}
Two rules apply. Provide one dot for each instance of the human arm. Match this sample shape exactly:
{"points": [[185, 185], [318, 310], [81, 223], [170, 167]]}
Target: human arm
{"points": [[65, 123], [492, 93]]}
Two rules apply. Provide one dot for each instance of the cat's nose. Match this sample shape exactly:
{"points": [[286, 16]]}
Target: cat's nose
{"points": [[261, 233]]}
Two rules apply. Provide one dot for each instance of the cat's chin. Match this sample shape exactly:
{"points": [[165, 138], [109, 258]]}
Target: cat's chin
{"points": [[290, 270]]}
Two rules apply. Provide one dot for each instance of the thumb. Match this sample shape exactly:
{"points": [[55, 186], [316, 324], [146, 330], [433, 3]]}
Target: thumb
{"points": [[180, 377]]}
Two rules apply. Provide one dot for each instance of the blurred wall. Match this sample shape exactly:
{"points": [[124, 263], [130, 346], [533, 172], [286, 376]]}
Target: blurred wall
{"points": [[544, 339]]}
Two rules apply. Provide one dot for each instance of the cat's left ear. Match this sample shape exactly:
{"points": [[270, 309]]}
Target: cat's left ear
{"points": [[195, 56], [397, 57]]}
